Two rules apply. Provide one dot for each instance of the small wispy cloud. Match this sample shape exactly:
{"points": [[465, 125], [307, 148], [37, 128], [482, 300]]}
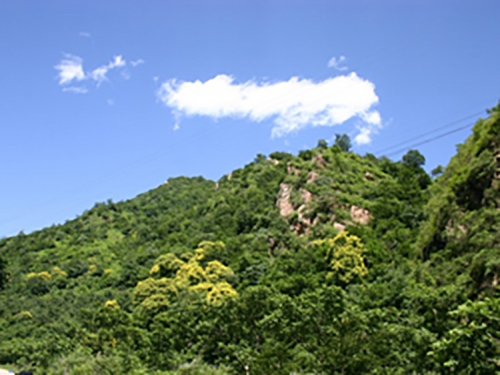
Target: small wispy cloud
{"points": [[70, 69], [84, 34], [100, 74], [336, 63], [292, 105], [76, 89], [364, 136], [137, 62]]}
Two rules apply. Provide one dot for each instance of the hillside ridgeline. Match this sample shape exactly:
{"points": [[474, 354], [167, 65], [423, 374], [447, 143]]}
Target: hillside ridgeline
{"points": [[325, 262]]}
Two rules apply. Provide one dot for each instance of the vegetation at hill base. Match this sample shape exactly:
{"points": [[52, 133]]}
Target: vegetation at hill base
{"points": [[325, 262]]}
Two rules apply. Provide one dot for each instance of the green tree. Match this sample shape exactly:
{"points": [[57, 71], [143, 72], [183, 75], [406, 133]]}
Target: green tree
{"points": [[438, 171], [343, 141], [413, 159], [3, 273], [322, 144], [473, 345]]}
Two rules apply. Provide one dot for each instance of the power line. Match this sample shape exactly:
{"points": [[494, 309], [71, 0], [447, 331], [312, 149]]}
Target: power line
{"points": [[208, 130], [429, 132], [429, 139]]}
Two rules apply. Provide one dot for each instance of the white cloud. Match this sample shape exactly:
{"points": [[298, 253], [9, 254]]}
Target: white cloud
{"points": [[292, 105], [110, 102], [99, 74], [336, 63], [70, 68], [118, 62], [84, 34], [372, 124], [137, 62], [75, 89], [364, 136]]}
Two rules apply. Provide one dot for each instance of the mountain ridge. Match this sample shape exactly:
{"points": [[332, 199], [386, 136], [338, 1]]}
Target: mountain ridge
{"points": [[321, 262]]}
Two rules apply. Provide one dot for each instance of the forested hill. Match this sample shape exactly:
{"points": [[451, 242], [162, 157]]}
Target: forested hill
{"points": [[323, 262]]}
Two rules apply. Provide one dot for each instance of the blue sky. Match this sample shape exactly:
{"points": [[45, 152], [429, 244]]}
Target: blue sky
{"points": [[105, 99]]}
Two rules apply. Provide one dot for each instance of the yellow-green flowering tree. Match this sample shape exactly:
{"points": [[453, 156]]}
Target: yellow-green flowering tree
{"points": [[172, 277], [344, 253]]}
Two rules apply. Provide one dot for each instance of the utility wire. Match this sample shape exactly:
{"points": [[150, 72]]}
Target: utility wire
{"points": [[430, 139], [429, 132], [208, 130], [196, 135]]}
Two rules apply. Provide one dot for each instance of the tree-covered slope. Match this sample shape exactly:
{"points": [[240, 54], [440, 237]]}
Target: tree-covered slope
{"points": [[323, 262], [463, 230]]}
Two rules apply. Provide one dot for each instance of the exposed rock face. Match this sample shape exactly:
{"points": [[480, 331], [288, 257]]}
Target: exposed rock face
{"points": [[311, 177], [300, 228], [318, 159], [283, 201], [301, 215], [290, 169], [455, 231], [216, 186], [286, 208], [306, 195], [369, 176], [229, 176], [360, 215], [273, 161], [339, 227]]}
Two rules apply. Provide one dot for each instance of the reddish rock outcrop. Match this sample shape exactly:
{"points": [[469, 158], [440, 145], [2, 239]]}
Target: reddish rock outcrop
{"points": [[283, 201], [360, 215], [311, 177], [319, 159], [290, 169], [339, 227], [306, 195]]}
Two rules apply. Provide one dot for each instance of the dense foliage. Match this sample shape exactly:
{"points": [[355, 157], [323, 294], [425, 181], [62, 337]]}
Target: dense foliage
{"points": [[326, 262]]}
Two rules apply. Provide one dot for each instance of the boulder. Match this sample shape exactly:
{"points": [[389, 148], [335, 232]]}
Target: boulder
{"points": [[306, 195], [283, 201], [339, 227], [290, 169], [360, 215], [319, 159], [311, 177]]}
